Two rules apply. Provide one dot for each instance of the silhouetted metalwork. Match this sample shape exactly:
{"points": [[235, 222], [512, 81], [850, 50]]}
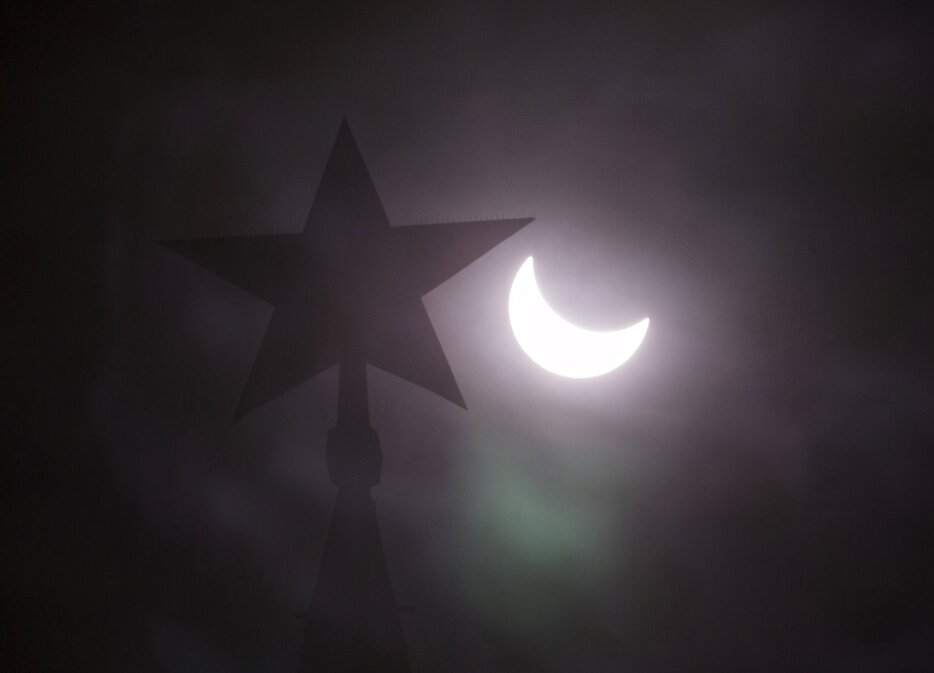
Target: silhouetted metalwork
{"points": [[347, 290]]}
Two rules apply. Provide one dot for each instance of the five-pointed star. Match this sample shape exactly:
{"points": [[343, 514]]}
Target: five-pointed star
{"points": [[349, 283]]}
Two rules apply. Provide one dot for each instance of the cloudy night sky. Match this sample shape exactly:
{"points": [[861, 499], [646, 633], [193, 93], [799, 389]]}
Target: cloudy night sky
{"points": [[752, 491]]}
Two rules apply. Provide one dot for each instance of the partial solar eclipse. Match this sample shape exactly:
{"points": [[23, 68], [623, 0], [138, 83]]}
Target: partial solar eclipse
{"points": [[558, 346]]}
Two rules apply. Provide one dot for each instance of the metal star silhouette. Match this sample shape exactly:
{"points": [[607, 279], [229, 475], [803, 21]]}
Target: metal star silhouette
{"points": [[348, 283]]}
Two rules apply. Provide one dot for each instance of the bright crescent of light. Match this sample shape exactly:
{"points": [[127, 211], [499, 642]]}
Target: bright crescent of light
{"points": [[557, 345]]}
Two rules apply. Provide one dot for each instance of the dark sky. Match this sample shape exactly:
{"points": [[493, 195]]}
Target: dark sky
{"points": [[752, 491]]}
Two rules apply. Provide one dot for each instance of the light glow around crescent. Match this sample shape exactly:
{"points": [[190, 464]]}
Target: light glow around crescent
{"points": [[557, 345]]}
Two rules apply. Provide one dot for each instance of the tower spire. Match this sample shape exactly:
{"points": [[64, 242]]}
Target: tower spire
{"points": [[353, 624], [348, 289]]}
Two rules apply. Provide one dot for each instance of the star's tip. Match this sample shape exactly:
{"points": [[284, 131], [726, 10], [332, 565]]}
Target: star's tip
{"points": [[457, 397]]}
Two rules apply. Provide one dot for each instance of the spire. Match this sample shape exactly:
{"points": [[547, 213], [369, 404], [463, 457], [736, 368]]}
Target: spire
{"points": [[353, 624], [348, 289]]}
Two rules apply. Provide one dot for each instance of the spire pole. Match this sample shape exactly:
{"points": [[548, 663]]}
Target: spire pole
{"points": [[354, 457], [353, 403], [353, 623]]}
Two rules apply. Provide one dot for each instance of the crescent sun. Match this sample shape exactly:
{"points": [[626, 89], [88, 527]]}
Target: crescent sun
{"points": [[559, 346]]}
